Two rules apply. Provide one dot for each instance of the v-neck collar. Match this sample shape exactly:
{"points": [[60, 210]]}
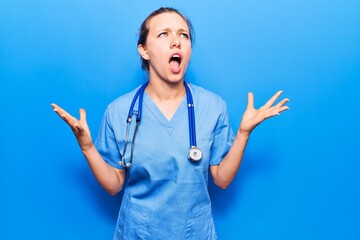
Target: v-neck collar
{"points": [[169, 125]]}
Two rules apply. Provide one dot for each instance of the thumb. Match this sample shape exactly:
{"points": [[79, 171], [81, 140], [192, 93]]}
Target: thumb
{"points": [[82, 115], [250, 104]]}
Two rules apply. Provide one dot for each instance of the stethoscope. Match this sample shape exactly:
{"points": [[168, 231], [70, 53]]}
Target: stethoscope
{"points": [[194, 153]]}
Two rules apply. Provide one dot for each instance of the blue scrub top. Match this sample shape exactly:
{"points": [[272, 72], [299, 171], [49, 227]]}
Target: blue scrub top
{"points": [[165, 194]]}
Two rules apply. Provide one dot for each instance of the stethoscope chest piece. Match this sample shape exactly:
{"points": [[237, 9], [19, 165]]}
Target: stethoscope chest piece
{"points": [[195, 154]]}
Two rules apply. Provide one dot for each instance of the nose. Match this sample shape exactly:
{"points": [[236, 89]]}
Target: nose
{"points": [[175, 42]]}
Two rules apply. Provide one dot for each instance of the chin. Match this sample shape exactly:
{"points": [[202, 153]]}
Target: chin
{"points": [[168, 77], [175, 79]]}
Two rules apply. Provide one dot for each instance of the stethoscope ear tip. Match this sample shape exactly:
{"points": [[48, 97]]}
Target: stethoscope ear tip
{"points": [[123, 164]]}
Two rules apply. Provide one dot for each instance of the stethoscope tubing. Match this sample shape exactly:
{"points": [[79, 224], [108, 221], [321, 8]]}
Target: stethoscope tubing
{"points": [[191, 117], [140, 94]]}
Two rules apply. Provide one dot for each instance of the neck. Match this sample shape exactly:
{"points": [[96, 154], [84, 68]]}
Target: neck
{"points": [[165, 91]]}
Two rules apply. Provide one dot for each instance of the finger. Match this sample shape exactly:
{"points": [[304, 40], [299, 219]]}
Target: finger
{"points": [[69, 119], [58, 110], [82, 115], [250, 100], [82, 121], [278, 111], [73, 123], [271, 101], [54, 105], [282, 103], [65, 116], [284, 108]]}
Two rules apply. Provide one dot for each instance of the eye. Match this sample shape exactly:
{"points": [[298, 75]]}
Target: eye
{"points": [[163, 34], [184, 35]]}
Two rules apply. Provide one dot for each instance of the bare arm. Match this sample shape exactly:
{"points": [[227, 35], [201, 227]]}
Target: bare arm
{"points": [[225, 172], [111, 179]]}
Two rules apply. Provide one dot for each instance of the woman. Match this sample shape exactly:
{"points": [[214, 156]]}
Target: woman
{"points": [[165, 184]]}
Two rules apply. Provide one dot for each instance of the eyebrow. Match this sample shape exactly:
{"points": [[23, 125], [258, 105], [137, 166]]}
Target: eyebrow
{"points": [[169, 29]]}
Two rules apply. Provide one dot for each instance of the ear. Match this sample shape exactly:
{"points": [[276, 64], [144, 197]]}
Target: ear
{"points": [[143, 52]]}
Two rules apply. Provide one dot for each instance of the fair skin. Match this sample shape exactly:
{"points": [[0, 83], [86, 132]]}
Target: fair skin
{"points": [[166, 84], [169, 35]]}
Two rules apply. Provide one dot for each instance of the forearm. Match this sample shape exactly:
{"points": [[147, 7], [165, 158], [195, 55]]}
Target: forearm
{"points": [[226, 171], [110, 179]]}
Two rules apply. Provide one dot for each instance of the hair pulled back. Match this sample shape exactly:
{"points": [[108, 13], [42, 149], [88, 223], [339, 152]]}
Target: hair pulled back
{"points": [[144, 30]]}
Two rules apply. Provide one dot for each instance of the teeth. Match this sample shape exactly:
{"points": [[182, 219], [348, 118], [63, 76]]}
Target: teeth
{"points": [[176, 55]]}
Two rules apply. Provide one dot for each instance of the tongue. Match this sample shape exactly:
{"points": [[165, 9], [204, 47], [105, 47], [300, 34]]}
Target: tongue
{"points": [[174, 66]]}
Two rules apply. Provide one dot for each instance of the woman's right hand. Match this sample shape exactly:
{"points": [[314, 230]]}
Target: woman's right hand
{"points": [[79, 127]]}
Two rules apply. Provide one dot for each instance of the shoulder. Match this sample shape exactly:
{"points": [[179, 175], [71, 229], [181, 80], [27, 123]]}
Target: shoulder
{"points": [[121, 104], [207, 97]]}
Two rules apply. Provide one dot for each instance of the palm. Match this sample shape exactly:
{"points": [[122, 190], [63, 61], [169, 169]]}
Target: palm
{"points": [[79, 127], [253, 117]]}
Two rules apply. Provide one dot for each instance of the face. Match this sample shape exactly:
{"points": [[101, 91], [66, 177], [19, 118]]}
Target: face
{"points": [[168, 47]]}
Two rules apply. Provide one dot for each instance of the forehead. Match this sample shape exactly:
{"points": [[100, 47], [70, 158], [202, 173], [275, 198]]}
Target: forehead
{"points": [[167, 20]]}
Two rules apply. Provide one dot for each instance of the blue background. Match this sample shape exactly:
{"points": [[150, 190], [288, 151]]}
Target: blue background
{"points": [[299, 178]]}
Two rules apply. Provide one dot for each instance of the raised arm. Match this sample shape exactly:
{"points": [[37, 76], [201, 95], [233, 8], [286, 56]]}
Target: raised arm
{"points": [[224, 173], [111, 179]]}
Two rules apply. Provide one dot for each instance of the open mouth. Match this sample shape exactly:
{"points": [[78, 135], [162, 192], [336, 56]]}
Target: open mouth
{"points": [[175, 61]]}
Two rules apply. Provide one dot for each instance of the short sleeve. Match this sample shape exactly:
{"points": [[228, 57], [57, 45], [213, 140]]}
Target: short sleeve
{"points": [[223, 136], [106, 143]]}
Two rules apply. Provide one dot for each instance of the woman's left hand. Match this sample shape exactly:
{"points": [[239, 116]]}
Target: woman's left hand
{"points": [[253, 117]]}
